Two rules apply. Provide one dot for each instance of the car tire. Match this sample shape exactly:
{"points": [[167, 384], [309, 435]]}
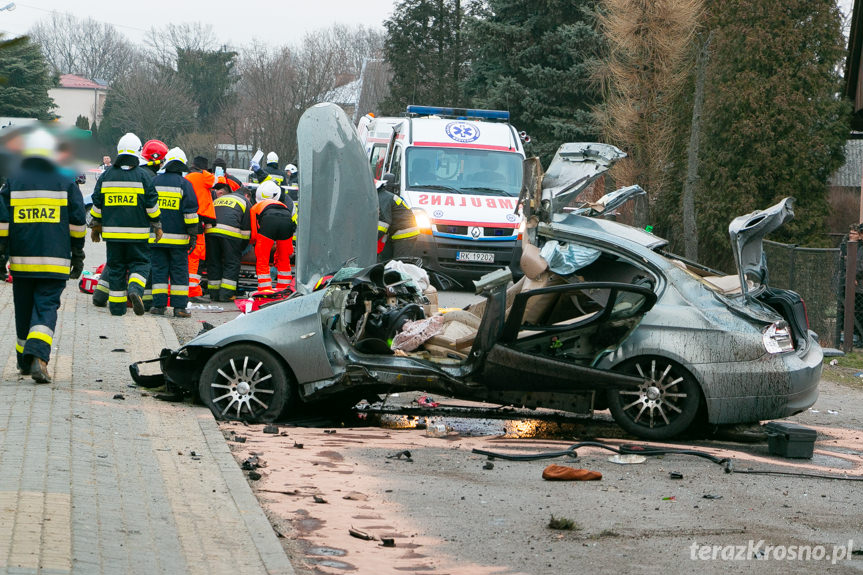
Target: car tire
{"points": [[245, 382], [663, 407]]}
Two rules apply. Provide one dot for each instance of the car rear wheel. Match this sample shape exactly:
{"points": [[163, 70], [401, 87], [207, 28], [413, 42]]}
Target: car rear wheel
{"points": [[663, 406], [244, 382]]}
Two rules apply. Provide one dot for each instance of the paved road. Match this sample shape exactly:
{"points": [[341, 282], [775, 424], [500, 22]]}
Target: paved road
{"points": [[91, 483]]}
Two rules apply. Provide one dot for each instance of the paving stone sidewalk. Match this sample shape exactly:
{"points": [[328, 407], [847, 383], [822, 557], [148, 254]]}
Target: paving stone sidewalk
{"points": [[94, 484]]}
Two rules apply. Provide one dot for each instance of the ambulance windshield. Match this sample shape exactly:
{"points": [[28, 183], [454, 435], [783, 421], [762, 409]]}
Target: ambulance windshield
{"points": [[463, 170]]}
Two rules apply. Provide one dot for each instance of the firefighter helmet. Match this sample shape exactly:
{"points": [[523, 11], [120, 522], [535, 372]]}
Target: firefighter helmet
{"points": [[176, 155], [268, 190], [40, 144], [154, 151], [130, 145], [291, 169], [272, 158]]}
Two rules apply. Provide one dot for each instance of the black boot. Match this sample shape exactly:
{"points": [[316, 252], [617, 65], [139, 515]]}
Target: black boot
{"points": [[39, 371]]}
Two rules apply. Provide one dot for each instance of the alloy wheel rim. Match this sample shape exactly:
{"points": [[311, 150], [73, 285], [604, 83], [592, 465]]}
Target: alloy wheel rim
{"points": [[658, 400], [245, 390]]}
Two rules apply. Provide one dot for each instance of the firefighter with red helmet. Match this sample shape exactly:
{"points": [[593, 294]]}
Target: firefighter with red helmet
{"points": [[226, 241], [42, 229], [169, 256], [154, 153], [273, 222], [125, 209]]}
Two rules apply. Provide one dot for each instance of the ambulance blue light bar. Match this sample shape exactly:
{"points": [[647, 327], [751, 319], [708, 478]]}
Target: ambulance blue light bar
{"points": [[459, 112]]}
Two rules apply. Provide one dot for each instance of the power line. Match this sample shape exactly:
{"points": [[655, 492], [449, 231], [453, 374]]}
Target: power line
{"points": [[66, 13]]}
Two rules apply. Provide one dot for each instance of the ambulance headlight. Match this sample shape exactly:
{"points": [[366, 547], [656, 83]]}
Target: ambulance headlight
{"points": [[423, 220]]}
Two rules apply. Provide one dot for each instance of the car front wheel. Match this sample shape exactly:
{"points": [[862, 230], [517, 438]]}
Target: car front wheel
{"points": [[663, 406], [244, 382]]}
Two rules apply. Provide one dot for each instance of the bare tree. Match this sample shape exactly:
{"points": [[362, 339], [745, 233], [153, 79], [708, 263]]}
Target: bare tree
{"points": [[164, 43], [85, 47], [151, 104]]}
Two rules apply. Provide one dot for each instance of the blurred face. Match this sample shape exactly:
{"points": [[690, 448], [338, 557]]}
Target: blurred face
{"points": [[106, 160]]}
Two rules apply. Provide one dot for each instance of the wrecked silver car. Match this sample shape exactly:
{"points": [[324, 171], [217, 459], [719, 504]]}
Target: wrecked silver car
{"points": [[722, 349], [602, 318]]}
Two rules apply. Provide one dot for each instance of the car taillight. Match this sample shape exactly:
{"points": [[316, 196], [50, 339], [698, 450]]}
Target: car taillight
{"points": [[777, 338]]}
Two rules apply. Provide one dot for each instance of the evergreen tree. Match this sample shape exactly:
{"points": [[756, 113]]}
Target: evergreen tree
{"points": [[534, 58], [24, 80], [774, 125], [211, 76], [82, 122], [427, 51]]}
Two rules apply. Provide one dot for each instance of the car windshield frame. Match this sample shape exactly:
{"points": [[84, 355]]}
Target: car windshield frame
{"points": [[463, 170]]}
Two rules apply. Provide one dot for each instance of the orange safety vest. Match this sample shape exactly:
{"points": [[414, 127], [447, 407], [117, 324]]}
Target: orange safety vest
{"points": [[256, 211], [203, 182]]}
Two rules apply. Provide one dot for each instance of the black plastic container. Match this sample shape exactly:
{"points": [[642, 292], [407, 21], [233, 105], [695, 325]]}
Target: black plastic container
{"points": [[790, 440]]}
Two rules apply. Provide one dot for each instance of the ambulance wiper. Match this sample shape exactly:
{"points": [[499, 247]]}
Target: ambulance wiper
{"points": [[490, 191], [436, 187]]}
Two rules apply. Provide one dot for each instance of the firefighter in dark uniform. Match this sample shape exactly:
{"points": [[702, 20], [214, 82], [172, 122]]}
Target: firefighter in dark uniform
{"points": [[154, 153], [169, 257], [271, 171], [397, 227], [42, 229], [226, 241], [125, 208]]}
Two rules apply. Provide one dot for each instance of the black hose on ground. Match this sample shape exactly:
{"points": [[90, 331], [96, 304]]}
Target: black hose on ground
{"points": [[649, 450]]}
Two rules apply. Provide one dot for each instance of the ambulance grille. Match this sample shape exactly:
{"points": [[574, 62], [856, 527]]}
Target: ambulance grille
{"points": [[458, 230]]}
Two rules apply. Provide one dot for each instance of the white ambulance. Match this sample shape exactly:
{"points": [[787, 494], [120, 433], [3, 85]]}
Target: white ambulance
{"points": [[460, 171]]}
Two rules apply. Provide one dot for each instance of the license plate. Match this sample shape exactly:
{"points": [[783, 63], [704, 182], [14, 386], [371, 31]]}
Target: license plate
{"points": [[482, 257]]}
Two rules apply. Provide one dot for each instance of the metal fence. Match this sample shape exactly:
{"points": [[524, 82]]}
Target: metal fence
{"points": [[809, 272]]}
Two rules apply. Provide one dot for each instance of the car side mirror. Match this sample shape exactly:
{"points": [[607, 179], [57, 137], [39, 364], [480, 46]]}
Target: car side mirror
{"points": [[389, 181]]}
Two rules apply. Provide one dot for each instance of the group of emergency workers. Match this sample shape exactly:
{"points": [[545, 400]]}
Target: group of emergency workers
{"points": [[160, 217], [198, 216]]}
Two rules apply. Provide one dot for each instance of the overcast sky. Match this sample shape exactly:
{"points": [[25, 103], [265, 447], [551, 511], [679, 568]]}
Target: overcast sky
{"points": [[237, 22], [275, 22]]}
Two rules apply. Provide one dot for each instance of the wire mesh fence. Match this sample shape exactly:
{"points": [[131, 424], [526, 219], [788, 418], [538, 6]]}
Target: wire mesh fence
{"points": [[811, 272]]}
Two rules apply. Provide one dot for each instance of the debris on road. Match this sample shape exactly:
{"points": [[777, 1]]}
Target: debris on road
{"points": [[119, 396], [361, 534], [711, 496], [488, 465], [627, 459], [254, 475], [319, 499], [401, 454], [675, 475], [274, 429], [388, 542], [564, 473]]}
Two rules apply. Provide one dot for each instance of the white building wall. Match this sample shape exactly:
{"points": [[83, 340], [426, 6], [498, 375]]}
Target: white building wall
{"points": [[69, 103]]}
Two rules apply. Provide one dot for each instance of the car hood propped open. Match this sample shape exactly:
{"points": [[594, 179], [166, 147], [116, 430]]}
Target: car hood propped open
{"points": [[338, 206], [574, 167], [747, 234]]}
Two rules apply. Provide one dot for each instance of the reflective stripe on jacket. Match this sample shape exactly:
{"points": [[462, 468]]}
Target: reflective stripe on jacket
{"points": [[41, 220]]}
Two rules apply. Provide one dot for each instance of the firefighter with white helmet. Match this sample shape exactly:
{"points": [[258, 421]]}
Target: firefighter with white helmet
{"points": [[271, 171], [273, 222], [293, 174], [169, 257], [125, 209], [42, 229]]}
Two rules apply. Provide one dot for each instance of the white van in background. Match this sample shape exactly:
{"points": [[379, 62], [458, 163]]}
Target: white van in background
{"points": [[460, 171]]}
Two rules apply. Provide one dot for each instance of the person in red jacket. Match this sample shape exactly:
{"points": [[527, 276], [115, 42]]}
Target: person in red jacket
{"points": [[272, 223], [202, 181]]}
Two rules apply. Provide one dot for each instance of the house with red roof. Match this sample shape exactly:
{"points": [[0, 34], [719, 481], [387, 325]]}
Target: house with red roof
{"points": [[78, 96]]}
